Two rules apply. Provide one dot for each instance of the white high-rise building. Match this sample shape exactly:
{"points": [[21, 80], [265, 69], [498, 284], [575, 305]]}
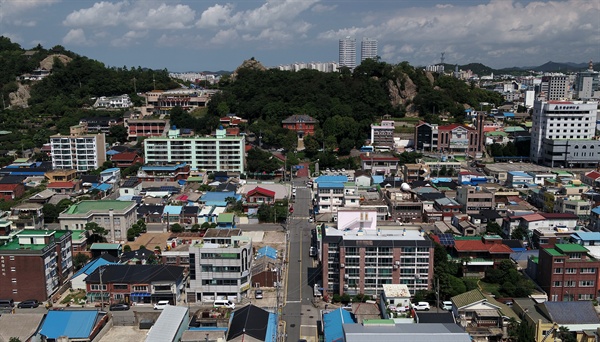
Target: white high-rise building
{"points": [[587, 85], [79, 151], [558, 88], [348, 53], [368, 49], [562, 134]]}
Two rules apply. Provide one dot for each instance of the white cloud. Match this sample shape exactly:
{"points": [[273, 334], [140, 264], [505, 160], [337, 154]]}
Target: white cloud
{"points": [[129, 38], [12, 10], [320, 8], [224, 36], [75, 37], [165, 17], [543, 28], [215, 16], [100, 14]]}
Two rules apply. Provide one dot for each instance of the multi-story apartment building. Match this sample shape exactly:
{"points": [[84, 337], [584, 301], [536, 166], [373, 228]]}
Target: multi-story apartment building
{"points": [[329, 197], [587, 85], [473, 199], [114, 216], [361, 256], [347, 53], [163, 173], [562, 134], [568, 272], [301, 124], [79, 151], [145, 128], [556, 87], [383, 134], [220, 266], [34, 264], [217, 153], [379, 164], [368, 49]]}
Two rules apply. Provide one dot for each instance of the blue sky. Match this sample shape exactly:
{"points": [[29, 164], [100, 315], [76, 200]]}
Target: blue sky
{"points": [[213, 35]]}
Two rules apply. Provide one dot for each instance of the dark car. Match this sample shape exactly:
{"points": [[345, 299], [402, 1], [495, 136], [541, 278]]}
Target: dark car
{"points": [[119, 307], [29, 303]]}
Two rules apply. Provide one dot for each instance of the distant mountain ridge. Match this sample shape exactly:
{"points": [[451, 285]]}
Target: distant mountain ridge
{"points": [[482, 70]]}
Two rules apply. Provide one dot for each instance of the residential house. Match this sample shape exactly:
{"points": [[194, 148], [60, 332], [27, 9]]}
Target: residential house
{"points": [[266, 272], [22, 326], [595, 219], [518, 179], [126, 159], [104, 123], [226, 221], [586, 238], [415, 172], [447, 206], [480, 253], [78, 278], [66, 188], [73, 325], [483, 317], [547, 318], [189, 215], [35, 263], [362, 179], [396, 295], [399, 332], [130, 187], [61, 175], [27, 216], [98, 249], [218, 198], [256, 197], [141, 256], [111, 176], [251, 323], [136, 283], [114, 216], [379, 164], [172, 323], [301, 124], [220, 266], [150, 213], [11, 192], [568, 272], [172, 214], [591, 178], [163, 173]]}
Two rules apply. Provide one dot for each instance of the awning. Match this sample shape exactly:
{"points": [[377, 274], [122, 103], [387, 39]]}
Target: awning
{"points": [[140, 294]]}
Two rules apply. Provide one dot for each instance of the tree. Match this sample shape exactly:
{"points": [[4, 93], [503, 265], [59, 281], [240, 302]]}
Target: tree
{"points": [[493, 228], [14, 339], [565, 335], [98, 232], [195, 228], [177, 228], [126, 248], [119, 133], [79, 260]]}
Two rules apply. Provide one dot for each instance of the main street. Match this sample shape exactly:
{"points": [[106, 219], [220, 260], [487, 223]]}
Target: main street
{"points": [[298, 291]]}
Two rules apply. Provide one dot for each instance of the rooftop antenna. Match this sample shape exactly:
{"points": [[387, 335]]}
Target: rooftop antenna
{"points": [[442, 59]]}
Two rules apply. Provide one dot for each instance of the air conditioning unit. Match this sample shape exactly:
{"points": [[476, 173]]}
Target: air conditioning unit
{"points": [[395, 267], [346, 276], [397, 263], [342, 265]]}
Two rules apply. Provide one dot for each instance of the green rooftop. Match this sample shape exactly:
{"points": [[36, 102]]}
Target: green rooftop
{"points": [[553, 252], [570, 247], [14, 245], [78, 235], [100, 245], [85, 207], [225, 217], [36, 232], [378, 321]]}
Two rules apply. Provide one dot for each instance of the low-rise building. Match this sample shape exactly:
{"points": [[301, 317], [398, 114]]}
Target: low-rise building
{"points": [[27, 216], [145, 128], [383, 134], [379, 164], [474, 199], [114, 216], [301, 124], [220, 266]]}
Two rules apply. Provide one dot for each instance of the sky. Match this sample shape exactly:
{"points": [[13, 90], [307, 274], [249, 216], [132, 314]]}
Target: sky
{"points": [[197, 35]]}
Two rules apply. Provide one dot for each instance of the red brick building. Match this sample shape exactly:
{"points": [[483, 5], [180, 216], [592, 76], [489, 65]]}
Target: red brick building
{"points": [[302, 124], [258, 196], [10, 192], [568, 272]]}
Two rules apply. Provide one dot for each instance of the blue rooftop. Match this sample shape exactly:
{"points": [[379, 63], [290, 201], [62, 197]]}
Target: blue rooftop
{"points": [[596, 210], [378, 179], [73, 324], [111, 170], [331, 185], [172, 210], [586, 236], [509, 115], [520, 174], [268, 252], [162, 167], [332, 324], [112, 152], [91, 266], [218, 198], [339, 179], [103, 187]]}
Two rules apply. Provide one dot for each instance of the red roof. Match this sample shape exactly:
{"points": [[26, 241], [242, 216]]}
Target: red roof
{"points": [[453, 126], [9, 187], [381, 158], [125, 156], [480, 246], [262, 191], [593, 175], [61, 185], [248, 147], [558, 216]]}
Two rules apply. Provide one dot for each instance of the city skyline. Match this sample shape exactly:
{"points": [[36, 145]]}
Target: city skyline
{"points": [[187, 36]]}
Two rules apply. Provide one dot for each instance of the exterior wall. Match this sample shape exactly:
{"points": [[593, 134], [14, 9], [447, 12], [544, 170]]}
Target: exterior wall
{"points": [[27, 281], [383, 135], [82, 152], [209, 153], [115, 222], [330, 200], [17, 192], [146, 128], [473, 199]]}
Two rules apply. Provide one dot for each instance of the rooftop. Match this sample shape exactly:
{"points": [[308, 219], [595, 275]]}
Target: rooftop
{"points": [[85, 207]]}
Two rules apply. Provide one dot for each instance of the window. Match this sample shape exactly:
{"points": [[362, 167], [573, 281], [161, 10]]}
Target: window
{"points": [[588, 270], [120, 286], [570, 283], [575, 255], [585, 296], [570, 270], [13, 269], [558, 270], [556, 284], [12, 258], [96, 287], [138, 288], [586, 283], [14, 280], [557, 261]]}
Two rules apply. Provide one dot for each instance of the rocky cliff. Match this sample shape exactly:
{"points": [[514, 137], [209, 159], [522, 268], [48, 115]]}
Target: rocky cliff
{"points": [[403, 90]]}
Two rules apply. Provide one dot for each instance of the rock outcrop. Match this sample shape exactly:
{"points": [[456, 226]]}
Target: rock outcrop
{"points": [[248, 64]]}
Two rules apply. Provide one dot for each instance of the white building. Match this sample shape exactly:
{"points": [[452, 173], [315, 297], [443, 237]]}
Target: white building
{"points": [[82, 152], [217, 153], [348, 53], [368, 49], [383, 134], [558, 88], [220, 266], [122, 101], [587, 85], [562, 133]]}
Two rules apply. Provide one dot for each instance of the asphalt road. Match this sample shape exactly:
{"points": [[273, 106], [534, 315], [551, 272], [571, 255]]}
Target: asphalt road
{"points": [[298, 291]]}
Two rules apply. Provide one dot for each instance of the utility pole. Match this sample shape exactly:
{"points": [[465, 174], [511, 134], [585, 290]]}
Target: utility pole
{"points": [[101, 288]]}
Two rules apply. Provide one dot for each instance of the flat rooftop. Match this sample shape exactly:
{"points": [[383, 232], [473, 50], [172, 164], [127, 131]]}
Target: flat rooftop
{"points": [[220, 233], [381, 233], [15, 246], [524, 167], [85, 207]]}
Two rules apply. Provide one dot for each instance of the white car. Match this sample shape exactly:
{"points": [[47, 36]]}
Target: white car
{"points": [[447, 305], [161, 304], [395, 308], [421, 306]]}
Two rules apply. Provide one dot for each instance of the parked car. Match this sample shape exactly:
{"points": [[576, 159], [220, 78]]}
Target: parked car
{"points": [[258, 294], [447, 305], [421, 306], [6, 303], [312, 252], [161, 304], [119, 307], [29, 303], [395, 308], [310, 220]]}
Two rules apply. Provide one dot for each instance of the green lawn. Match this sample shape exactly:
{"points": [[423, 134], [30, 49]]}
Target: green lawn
{"points": [[199, 112], [488, 288]]}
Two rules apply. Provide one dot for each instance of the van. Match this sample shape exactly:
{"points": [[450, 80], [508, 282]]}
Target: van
{"points": [[6, 303], [224, 303]]}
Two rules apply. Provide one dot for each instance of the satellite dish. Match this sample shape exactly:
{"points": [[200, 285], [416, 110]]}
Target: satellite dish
{"points": [[405, 187]]}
